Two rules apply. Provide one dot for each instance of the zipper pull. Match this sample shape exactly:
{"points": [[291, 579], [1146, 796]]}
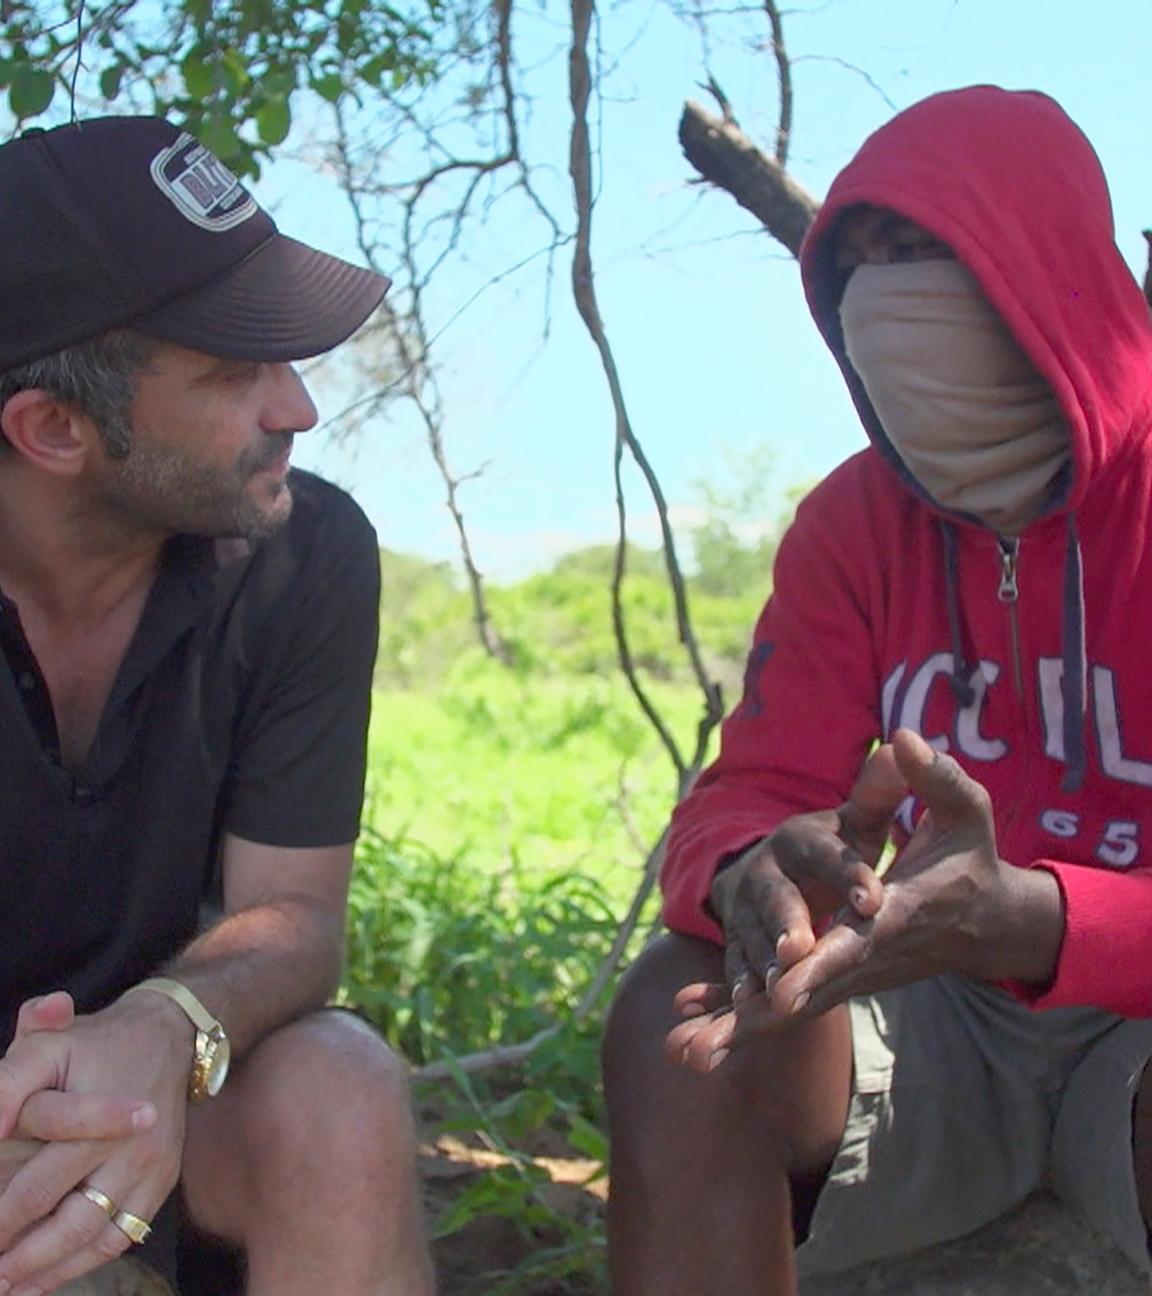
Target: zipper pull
{"points": [[1009, 590]]}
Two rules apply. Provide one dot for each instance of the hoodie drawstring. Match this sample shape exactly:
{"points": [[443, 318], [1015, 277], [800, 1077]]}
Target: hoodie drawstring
{"points": [[960, 683], [1073, 684]]}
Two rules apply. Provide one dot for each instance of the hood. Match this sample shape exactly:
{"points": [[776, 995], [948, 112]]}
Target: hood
{"points": [[1014, 187]]}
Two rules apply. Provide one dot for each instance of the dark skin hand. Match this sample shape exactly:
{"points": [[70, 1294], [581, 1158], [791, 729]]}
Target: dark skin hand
{"points": [[949, 904], [770, 900]]}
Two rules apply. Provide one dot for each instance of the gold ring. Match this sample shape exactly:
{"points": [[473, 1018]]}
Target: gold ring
{"points": [[97, 1198], [137, 1229]]}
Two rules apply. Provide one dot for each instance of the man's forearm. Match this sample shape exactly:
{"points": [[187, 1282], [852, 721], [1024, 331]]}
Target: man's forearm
{"points": [[264, 966]]}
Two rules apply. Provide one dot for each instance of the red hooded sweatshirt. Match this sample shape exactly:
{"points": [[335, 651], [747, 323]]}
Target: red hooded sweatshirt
{"points": [[1032, 670]]}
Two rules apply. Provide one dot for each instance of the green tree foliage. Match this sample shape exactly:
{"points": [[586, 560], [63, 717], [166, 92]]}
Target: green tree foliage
{"points": [[232, 71], [558, 622], [734, 543], [424, 621]]}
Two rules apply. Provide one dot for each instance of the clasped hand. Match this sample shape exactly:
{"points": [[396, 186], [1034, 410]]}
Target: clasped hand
{"points": [[85, 1101], [947, 904]]}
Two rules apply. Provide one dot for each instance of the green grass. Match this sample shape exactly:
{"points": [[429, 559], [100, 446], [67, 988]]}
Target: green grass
{"points": [[508, 815], [542, 775]]}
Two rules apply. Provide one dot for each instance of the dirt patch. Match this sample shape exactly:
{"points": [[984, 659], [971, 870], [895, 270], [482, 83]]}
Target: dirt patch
{"points": [[488, 1248], [472, 1261]]}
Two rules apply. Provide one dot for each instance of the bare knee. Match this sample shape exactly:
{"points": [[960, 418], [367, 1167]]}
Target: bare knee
{"points": [[650, 1099], [642, 1013], [327, 1084], [321, 1103], [784, 1095]]}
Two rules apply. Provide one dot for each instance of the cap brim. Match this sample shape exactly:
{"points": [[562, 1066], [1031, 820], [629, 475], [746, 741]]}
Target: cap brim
{"points": [[286, 301]]}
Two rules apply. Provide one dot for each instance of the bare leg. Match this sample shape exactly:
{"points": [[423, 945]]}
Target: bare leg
{"points": [[700, 1195], [308, 1160]]}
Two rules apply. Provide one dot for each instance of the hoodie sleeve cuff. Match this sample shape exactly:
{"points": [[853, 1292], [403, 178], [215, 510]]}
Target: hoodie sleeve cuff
{"points": [[1104, 958], [687, 907]]}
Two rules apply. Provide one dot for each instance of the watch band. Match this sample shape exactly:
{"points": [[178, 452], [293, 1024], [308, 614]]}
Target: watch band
{"points": [[179, 993], [212, 1053]]}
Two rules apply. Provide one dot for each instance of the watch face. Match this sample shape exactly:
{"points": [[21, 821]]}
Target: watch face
{"points": [[219, 1055]]}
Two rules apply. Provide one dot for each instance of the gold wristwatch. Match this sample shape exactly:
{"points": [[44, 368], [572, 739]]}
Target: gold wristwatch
{"points": [[213, 1052]]}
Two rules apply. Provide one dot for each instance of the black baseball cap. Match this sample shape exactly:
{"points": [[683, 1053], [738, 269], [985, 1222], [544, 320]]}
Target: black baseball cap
{"points": [[130, 221]]}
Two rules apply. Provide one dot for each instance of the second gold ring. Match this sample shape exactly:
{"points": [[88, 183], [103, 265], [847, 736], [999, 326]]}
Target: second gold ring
{"points": [[137, 1229]]}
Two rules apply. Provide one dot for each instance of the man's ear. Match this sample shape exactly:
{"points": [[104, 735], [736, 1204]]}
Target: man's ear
{"points": [[46, 432]]}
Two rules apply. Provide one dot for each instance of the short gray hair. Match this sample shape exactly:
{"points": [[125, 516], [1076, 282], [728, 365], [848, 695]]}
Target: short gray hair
{"points": [[97, 376]]}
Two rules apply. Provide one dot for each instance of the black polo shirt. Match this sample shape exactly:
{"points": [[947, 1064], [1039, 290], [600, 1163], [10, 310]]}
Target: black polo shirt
{"points": [[241, 705]]}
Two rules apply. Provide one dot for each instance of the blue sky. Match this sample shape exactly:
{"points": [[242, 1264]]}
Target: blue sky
{"points": [[715, 345]]}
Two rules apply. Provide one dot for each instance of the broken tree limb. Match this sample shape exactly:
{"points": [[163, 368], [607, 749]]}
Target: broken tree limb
{"points": [[727, 158]]}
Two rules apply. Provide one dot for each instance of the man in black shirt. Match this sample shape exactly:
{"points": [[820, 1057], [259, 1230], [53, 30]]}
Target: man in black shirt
{"points": [[187, 634]]}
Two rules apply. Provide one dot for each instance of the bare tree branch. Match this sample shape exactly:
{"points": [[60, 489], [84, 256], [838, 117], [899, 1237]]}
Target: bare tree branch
{"points": [[460, 182], [866, 77], [584, 291], [784, 74], [726, 157], [409, 338], [583, 288]]}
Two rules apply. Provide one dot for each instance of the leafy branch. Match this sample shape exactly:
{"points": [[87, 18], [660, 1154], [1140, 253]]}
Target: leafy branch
{"points": [[228, 70]]}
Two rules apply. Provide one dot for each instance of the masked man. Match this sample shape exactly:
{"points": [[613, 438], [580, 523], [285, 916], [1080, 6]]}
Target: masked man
{"points": [[909, 1058]]}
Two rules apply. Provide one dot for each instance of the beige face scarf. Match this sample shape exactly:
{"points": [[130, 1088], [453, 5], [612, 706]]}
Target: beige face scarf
{"points": [[963, 406]]}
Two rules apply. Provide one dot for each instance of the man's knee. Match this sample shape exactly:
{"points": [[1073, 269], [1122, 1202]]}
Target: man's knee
{"points": [[784, 1094], [322, 1102], [327, 1082], [642, 1013], [649, 1096]]}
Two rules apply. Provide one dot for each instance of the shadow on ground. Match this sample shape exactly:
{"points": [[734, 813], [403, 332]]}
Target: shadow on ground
{"points": [[1040, 1250]]}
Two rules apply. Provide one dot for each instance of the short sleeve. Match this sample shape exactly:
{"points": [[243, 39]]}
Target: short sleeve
{"points": [[298, 763]]}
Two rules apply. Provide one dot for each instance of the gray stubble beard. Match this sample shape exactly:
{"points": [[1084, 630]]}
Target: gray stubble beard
{"points": [[166, 493]]}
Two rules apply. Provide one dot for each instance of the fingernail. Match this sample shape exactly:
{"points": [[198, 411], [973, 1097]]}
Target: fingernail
{"points": [[771, 976], [780, 940], [717, 1057], [693, 1010], [800, 1002], [143, 1118]]}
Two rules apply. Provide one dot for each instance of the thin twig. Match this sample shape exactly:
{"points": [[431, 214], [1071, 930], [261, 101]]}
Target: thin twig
{"points": [[409, 340], [784, 75], [584, 292], [866, 77], [79, 59]]}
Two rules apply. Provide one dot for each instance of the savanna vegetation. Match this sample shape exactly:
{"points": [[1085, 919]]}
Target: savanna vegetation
{"points": [[511, 806], [528, 740]]}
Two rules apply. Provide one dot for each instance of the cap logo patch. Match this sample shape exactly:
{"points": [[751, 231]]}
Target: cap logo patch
{"points": [[201, 187]]}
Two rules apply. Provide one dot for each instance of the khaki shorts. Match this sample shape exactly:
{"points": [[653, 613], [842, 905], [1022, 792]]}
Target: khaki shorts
{"points": [[964, 1102]]}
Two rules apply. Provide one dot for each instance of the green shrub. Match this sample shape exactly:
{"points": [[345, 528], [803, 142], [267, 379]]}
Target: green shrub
{"points": [[448, 959]]}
